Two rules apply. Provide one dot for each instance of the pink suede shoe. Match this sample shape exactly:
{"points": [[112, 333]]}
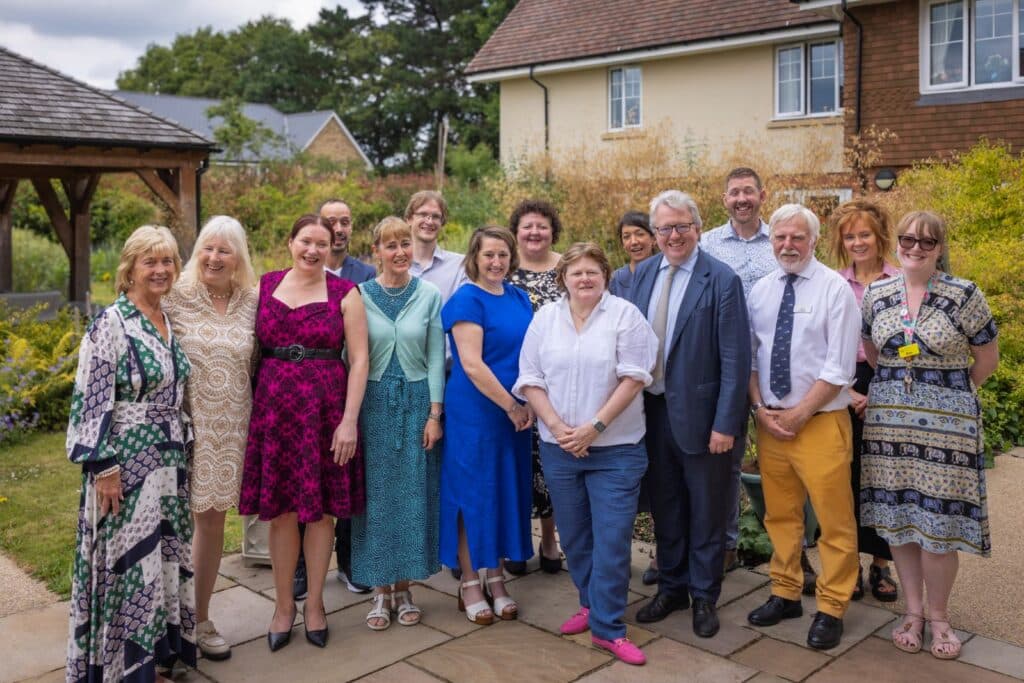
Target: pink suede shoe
{"points": [[577, 623], [623, 648]]}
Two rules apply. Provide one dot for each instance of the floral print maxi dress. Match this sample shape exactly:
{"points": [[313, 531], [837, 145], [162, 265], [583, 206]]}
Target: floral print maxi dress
{"points": [[132, 598]]}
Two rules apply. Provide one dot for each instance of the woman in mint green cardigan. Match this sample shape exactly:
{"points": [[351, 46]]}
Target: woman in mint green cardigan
{"points": [[396, 540]]}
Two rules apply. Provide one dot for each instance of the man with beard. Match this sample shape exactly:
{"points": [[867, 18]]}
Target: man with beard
{"points": [[805, 327], [337, 216]]}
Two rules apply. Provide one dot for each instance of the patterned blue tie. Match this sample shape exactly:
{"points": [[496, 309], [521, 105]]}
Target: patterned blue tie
{"points": [[779, 378]]}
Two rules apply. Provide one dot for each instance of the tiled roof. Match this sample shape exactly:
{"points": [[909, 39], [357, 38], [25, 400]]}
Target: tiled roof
{"points": [[38, 104], [542, 31]]}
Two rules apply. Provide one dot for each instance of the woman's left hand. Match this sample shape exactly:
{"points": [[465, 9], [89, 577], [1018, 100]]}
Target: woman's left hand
{"points": [[577, 441], [343, 445], [432, 433]]}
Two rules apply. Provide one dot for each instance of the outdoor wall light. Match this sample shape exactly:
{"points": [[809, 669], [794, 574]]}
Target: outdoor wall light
{"points": [[885, 179]]}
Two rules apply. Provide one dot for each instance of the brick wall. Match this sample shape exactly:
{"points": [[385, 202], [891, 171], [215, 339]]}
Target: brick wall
{"points": [[891, 91], [333, 144]]}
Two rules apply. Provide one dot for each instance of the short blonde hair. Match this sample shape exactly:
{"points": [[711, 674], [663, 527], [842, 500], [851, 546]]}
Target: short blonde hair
{"points": [[147, 239], [390, 227], [876, 218], [476, 241], [582, 250], [232, 232]]}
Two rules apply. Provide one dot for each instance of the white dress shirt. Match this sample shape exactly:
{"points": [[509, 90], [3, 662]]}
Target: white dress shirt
{"points": [[580, 370], [444, 272], [675, 297], [826, 331]]}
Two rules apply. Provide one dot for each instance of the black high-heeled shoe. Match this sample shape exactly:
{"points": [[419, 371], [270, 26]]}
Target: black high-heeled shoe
{"points": [[549, 565], [277, 640], [318, 637]]}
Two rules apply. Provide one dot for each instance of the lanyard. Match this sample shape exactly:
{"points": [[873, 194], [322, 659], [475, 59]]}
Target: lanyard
{"points": [[910, 324]]}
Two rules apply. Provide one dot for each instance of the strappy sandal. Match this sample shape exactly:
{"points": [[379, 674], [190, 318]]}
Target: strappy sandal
{"points": [[381, 610], [880, 577], [906, 637], [941, 640], [504, 607], [403, 604], [478, 612]]}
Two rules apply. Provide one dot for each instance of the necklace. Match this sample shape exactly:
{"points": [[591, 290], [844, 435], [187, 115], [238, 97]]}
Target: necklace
{"points": [[219, 297], [396, 294]]}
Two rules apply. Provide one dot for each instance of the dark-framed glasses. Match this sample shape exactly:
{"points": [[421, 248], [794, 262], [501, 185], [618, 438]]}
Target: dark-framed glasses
{"points": [[681, 228], [426, 215], [926, 243]]}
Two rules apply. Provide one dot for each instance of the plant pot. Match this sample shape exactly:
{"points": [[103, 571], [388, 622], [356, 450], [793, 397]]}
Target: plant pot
{"points": [[752, 485]]}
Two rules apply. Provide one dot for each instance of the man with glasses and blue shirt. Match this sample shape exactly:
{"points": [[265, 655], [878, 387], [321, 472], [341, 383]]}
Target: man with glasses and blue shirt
{"points": [[695, 408]]}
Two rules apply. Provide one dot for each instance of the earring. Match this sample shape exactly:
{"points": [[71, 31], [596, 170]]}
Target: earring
{"points": [[131, 282]]}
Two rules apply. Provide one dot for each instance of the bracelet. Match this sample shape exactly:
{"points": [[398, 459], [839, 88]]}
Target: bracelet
{"points": [[434, 416], [514, 408], [113, 469]]}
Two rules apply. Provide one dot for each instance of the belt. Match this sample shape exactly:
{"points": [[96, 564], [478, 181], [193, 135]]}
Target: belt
{"points": [[820, 412], [298, 352]]}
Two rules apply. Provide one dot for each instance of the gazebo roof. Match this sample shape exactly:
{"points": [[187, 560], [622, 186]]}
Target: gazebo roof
{"points": [[39, 106]]}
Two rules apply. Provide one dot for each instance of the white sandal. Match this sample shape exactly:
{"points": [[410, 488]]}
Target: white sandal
{"points": [[479, 612], [379, 611], [402, 600], [504, 607]]}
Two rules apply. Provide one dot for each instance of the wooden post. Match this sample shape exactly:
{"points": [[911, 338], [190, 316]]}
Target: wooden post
{"points": [[7, 189], [188, 219], [80, 192]]}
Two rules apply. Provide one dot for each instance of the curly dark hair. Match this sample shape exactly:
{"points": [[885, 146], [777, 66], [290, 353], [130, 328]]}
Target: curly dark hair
{"points": [[536, 206]]}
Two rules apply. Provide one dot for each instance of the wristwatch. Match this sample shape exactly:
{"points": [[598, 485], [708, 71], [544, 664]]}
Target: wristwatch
{"points": [[598, 425], [754, 407]]}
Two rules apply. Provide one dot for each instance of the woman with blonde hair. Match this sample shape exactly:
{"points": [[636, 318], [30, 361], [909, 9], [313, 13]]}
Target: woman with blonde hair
{"points": [[397, 538], [132, 605], [213, 313]]}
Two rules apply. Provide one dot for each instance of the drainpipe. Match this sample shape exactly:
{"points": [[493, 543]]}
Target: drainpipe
{"points": [[860, 63], [203, 168], [545, 89]]}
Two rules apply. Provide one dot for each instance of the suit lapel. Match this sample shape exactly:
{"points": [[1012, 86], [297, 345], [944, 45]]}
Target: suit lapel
{"points": [[694, 288], [643, 285]]}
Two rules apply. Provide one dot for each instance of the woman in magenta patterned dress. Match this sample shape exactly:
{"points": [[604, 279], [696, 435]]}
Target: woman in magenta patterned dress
{"points": [[302, 463]]}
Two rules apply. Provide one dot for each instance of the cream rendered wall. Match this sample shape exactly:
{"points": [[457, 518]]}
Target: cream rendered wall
{"points": [[710, 101]]}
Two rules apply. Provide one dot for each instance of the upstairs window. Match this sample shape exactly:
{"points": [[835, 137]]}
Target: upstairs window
{"points": [[624, 98], [968, 44], [808, 79]]}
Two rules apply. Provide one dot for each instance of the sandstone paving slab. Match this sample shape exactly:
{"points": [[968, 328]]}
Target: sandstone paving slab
{"points": [[51, 677], [336, 597], [440, 611], [223, 583], [668, 660], [353, 651], [874, 660], [679, 626], [34, 642], [859, 623], [995, 655], [509, 651], [241, 615], [766, 678], [738, 583], [639, 636], [399, 673], [443, 581], [547, 600], [257, 578], [782, 659]]}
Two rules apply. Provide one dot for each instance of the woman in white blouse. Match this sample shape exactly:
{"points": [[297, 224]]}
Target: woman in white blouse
{"points": [[584, 361]]}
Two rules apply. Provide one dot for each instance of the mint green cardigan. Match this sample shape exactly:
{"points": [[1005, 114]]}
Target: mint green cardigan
{"points": [[418, 335]]}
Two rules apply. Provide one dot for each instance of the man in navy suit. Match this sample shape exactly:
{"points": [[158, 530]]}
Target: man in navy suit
{"points": [[696, 407], [337, 216]]}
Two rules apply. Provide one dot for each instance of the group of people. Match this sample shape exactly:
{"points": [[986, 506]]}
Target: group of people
{"points": [[421, 412]]}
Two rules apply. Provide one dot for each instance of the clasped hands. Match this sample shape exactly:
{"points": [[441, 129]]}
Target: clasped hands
{"points": [[521, 416], [784, 425], [575, 440]]}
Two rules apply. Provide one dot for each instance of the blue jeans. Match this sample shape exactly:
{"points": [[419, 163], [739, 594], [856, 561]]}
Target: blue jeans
{"points": [[595, 504]]}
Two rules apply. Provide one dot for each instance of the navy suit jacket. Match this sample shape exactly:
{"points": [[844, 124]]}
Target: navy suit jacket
{"points": [[355, 270], [708, 364]]}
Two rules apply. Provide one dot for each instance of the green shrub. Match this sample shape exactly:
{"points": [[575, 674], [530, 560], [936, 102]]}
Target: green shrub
{"points": [[40, 263]]}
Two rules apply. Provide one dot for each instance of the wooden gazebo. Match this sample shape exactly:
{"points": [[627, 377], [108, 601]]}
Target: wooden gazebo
{"points": [[53, 127]]}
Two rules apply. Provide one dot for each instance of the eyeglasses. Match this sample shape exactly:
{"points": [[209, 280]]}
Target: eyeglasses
{"points": [[681, 228], [331, 221], [926, 243], [424, 216]]}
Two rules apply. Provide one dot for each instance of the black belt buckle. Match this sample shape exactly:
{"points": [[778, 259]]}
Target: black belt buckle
{"points": [[296, 352]]}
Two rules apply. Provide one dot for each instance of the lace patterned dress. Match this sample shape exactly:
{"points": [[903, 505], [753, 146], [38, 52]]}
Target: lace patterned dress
{"points": [[132, 595], [219, 396]]}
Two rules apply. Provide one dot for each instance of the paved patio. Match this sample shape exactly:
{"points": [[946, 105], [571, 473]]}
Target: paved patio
{"points": [[447, 647]]}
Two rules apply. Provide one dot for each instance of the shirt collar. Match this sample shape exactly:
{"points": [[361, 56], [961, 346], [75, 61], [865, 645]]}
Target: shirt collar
{"points": [[808, 271], [888, 270], [762, 231], [686, 265]]}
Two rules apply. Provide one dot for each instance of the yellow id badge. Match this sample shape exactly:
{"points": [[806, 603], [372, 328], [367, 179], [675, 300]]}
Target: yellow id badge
{"points": [[910, 350]]}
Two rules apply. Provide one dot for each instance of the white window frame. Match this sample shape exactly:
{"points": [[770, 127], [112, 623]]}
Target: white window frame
{"points": [[640, 97], [969, 68], [805, 80]]}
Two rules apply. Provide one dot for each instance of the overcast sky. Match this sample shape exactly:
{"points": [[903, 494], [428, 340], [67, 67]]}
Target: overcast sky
{"points": [[94, 40]]}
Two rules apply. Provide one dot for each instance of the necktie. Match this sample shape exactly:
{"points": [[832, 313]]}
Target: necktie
{"points": [[779, 378], [660, 323]]}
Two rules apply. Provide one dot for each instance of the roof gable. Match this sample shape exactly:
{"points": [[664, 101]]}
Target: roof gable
{"points": [[544, 31], [38, 104]]}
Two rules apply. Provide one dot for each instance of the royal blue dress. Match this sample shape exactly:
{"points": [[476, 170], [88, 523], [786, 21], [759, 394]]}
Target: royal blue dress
{"points": [[485, 466]]}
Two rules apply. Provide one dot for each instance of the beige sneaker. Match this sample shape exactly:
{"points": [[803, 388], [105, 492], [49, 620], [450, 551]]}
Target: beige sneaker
{"points": [[211, 644]]}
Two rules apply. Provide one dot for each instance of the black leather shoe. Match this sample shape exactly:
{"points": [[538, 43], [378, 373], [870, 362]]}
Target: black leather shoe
{"points": [[660, 606], [300, 585], [650, 576], [549, 565], [515, 567], [825, 631], [277, 640], [705, 618], [775, 610], [318, 637]]}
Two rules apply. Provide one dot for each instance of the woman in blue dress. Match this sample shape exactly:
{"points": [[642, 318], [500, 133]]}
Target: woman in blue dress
{"points": [[486, 484], [396, 539]]}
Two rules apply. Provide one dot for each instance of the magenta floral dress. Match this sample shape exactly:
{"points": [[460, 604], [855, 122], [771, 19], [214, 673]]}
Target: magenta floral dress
{"points": [[296, 407]]}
